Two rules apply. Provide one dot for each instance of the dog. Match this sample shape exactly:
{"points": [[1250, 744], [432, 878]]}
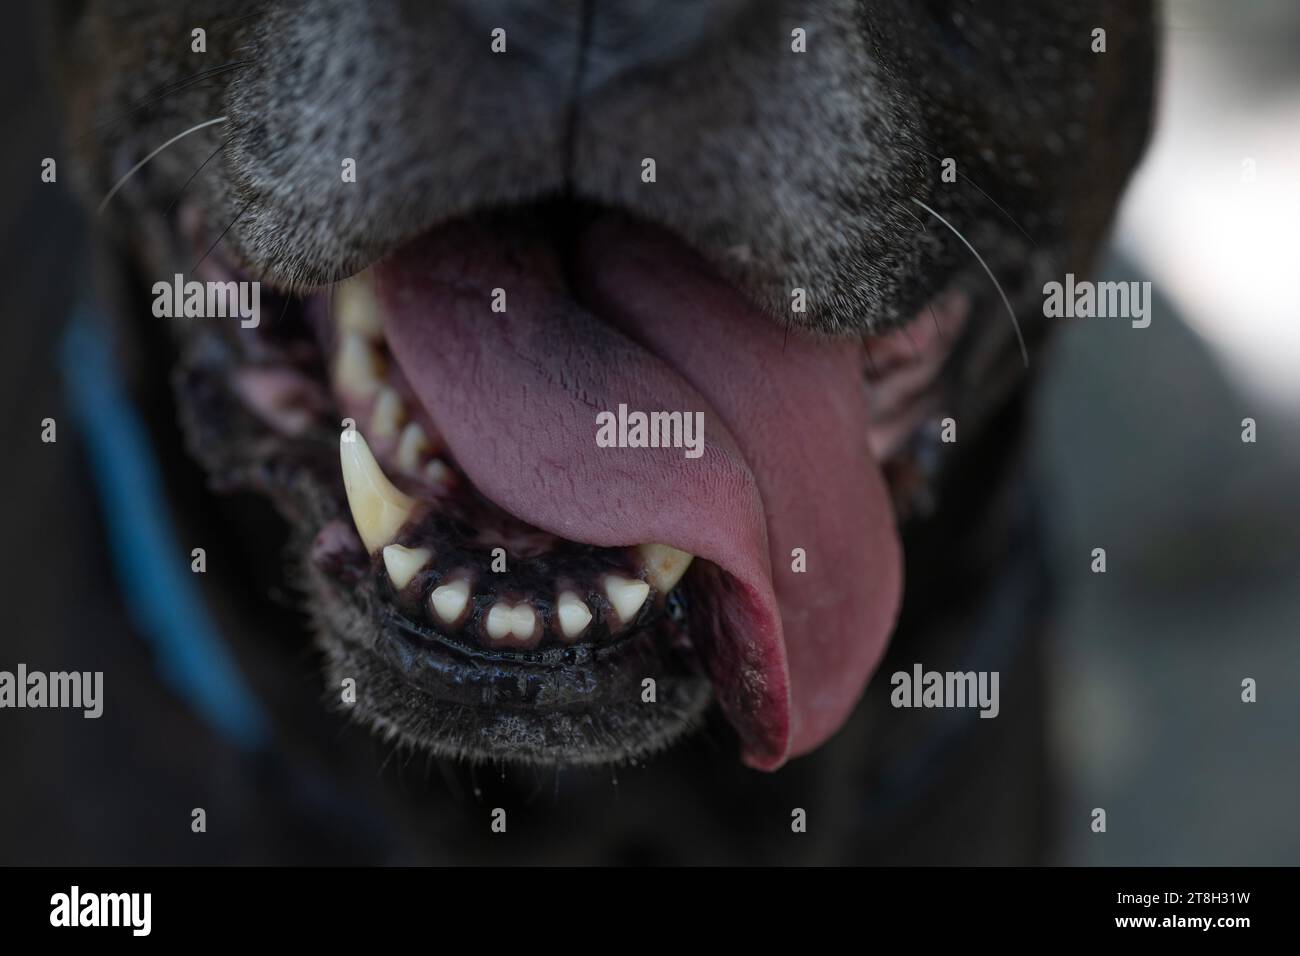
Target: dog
{"points": [[476, 242]]}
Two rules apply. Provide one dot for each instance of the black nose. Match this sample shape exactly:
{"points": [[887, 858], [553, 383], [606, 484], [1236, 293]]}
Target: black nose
{"points": [[608, 38]]}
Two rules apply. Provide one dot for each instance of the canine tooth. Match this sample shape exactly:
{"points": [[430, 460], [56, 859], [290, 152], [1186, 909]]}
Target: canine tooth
{"points": [[404, 563], [378, 509], [356, 367], [522, 621], [355, 307], [664, 566], [387, 416], [411, 447], [626, 594], [449, 600], [574, 614], [500, 621]]}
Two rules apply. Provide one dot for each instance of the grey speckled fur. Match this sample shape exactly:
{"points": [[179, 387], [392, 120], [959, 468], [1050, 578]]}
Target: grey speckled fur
{"points": [[787, 170]]}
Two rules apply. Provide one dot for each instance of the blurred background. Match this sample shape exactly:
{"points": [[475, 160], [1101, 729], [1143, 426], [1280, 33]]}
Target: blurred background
{"points": [[1139, 442]]}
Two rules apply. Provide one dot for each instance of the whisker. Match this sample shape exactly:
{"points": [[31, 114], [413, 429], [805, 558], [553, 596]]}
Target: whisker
{"points": [[1024, 352], [212, 155], [167, 90], [1011, 219], [997, 205], [136, 168], [240, 215], [935, 315], [911, 215], [289, 297]]}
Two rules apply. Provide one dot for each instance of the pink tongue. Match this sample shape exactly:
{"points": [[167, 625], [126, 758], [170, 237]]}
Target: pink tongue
{"points": [[516, 395]]}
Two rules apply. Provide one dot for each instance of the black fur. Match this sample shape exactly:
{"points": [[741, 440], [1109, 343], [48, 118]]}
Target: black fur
{"points": [[784, 169]]}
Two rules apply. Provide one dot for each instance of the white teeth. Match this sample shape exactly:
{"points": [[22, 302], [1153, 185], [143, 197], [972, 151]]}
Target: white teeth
{"points": [[355, 307], [626, 594], [437, 472], [411, 447], [574, 614], [449, 601], [378, 509], [519, 622], [356, 368], [522, 621], [404, 563], [664, 566], [500, 621], [504, 621], [387, 416]]}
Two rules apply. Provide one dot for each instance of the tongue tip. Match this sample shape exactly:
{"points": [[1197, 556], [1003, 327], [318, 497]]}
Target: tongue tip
{"points": [[765, 760], [767, 744]]}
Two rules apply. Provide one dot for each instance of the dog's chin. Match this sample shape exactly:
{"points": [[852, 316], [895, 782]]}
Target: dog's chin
{"points": [[489, 577]]}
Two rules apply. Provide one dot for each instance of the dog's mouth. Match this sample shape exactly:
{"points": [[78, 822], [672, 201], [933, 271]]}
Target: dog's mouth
{"points": [[588, 483]]}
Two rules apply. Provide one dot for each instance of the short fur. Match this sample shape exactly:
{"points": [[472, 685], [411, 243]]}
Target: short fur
{"points": [[786, 170]]}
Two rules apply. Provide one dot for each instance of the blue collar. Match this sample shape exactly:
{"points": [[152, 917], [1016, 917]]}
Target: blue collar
{"points": [[161, 593]]}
